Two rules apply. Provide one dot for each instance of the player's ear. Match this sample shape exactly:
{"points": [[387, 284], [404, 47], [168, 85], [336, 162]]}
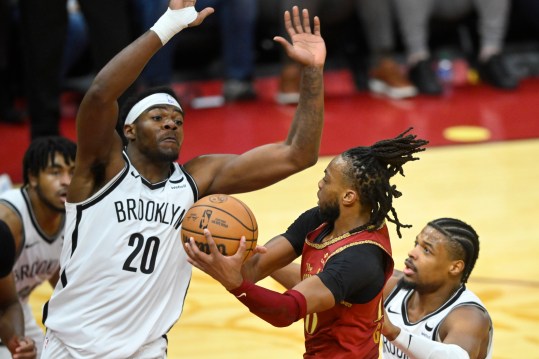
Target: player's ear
{"points": [[130, 131], [33, 180], [456, 267], [350, 197]]}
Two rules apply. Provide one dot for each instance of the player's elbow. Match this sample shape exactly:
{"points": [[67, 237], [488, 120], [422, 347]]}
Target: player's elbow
{"points": [[305, 160]]}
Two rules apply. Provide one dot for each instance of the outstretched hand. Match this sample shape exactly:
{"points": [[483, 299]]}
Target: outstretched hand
{"points": [[308, 47], [181, 4], [225, 269]]}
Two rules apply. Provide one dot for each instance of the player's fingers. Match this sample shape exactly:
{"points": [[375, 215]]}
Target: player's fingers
{"points": [[296, 21], [285, 44], [203, 14], [288, 24], [188, 245], [317, 30], [211, 243], [260, 249], [241, 248], [306, 21]]}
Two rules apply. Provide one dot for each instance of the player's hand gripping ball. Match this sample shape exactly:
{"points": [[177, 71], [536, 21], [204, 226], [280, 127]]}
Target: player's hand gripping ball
{"points": [[227, 218]]}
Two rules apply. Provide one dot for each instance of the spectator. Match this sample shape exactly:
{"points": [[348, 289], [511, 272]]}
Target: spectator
{"points": [[43, 27], [8, 112], [385, 76], [415, 16], [237, 28]]}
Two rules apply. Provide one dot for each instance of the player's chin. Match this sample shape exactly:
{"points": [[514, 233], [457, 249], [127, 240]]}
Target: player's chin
{"points": [[170, 154]]}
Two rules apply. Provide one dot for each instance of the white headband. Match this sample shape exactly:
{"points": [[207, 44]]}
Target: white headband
{"points": [[147, 102]]}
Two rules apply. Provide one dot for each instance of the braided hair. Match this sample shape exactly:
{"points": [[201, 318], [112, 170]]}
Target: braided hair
{"points": [[41, 153], [463, 242], [370, 169]]}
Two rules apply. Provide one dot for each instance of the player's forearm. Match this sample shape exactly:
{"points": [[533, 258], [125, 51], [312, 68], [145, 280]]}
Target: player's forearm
{"points": [[306, 129], [122, 71], [288, 276], [278, 309], [416, 346], [125, 67], [11, 325]]}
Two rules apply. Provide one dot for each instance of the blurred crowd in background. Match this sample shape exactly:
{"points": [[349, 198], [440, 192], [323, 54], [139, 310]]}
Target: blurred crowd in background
{"points": [[395, 48]]}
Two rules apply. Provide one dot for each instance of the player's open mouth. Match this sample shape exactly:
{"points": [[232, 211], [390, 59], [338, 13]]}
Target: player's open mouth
{"points": [[409, 267]]}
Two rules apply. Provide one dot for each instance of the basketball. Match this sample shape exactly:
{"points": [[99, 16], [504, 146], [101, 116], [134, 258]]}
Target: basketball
{"points": [[227, 218]]}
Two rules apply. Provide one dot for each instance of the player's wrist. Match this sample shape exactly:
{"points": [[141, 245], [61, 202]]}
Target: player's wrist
{"points": [[173, 21], [397, 335], [241, 288]]}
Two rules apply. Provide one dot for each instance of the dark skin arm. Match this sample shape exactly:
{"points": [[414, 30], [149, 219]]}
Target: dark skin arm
{"points": [[228, 270], [267, 164], [11, 313], [99, 147]]}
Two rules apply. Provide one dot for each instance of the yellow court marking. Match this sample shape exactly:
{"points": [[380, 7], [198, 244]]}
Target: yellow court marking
{"points": [[467, 133]]}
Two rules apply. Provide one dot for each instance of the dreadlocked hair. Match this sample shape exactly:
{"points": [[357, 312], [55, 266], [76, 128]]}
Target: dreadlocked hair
{"points": [[41, 153], [463, 242], [371, 168]]}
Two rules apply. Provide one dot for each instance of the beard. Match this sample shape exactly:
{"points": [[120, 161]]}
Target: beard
{"points": [[47, 202], [330, 212], [407, 284]]}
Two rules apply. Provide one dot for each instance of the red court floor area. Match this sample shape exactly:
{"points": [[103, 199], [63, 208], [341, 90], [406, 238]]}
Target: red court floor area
{"points": [[475, 113]]}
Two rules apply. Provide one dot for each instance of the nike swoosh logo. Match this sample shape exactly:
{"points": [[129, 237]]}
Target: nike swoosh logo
{"points": [[30, 245], [391, 311], [241, 295]]}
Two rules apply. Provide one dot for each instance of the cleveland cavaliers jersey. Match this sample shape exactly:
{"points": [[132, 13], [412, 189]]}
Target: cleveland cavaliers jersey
{"points": [[124, 274], [428, 327], [348, 330], [39, 258]]}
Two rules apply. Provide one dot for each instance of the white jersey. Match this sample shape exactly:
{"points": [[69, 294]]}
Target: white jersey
{"points": [[124, 274], [39, 258], [427, 327]]}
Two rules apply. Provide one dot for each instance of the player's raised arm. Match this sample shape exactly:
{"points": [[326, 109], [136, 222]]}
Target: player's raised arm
{"points": [[99, 146], [267, 164]]}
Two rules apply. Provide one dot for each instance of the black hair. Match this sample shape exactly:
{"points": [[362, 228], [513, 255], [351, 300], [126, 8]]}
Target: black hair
{"points": [[132, 101], [463, 242], [370, 169], [41, 153]]}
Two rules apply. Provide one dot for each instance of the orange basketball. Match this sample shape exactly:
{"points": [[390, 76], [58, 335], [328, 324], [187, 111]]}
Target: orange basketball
{"points": [[227, 218]]}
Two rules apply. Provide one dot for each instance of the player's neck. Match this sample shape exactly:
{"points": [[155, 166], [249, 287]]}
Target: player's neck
{"points": [[345, 224], [424, 302], [48, 218], [152, 171]]}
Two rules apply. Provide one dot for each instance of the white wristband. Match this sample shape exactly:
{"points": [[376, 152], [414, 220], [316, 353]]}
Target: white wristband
{"points": [[173, 21], [418, 347]]}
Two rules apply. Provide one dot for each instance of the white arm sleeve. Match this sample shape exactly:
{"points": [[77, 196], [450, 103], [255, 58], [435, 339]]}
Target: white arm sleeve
{"points": [[417, 347]]}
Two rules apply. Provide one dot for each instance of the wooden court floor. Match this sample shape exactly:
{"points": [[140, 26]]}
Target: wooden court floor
{"points": [[493, 186]]}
